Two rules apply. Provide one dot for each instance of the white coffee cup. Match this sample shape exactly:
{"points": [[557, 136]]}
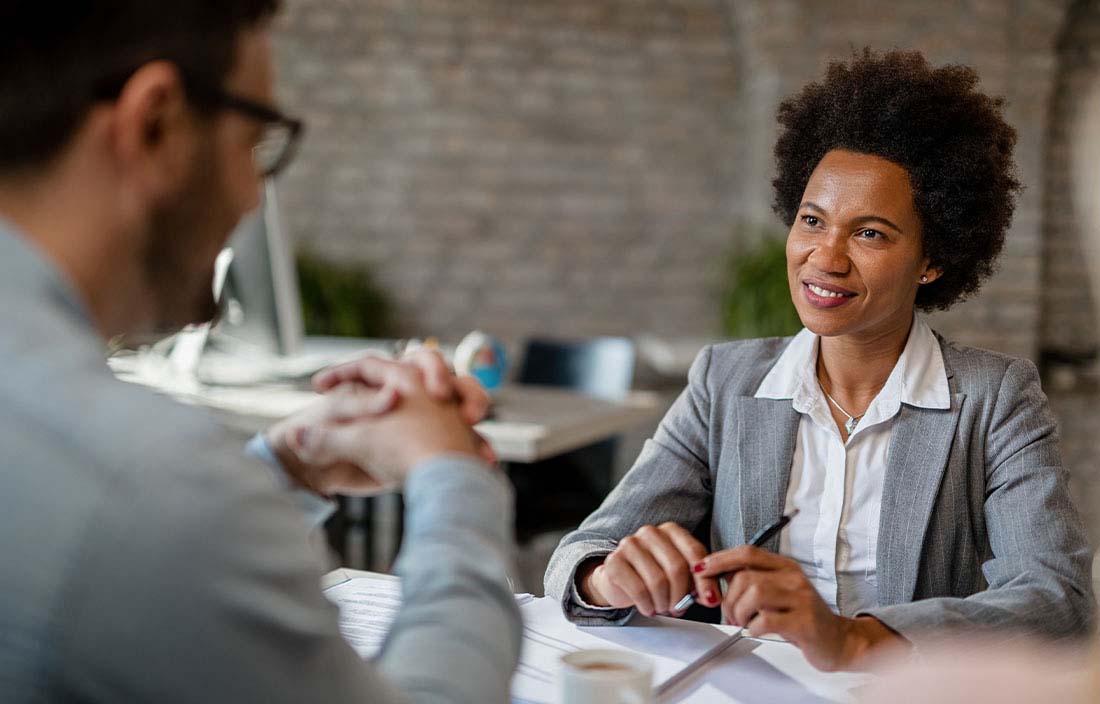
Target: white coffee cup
{"points": [[606, 677]]}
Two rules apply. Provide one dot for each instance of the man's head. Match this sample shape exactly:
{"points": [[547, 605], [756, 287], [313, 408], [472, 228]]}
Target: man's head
{"points": [[127, 136]]}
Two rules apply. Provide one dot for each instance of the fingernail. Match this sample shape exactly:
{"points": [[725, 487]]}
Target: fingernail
{"points": [[699, 566], [302, 437], [710, 596]]}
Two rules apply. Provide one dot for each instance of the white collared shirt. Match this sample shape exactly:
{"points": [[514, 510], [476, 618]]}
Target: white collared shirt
{"points": [[837, 486]]}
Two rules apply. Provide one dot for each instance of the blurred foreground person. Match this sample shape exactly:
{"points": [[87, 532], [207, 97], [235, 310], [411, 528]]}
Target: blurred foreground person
{"points": [[983, 673], [145, 557]]}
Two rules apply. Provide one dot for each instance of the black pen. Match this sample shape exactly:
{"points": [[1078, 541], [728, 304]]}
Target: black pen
{"points": [[762, 536]]}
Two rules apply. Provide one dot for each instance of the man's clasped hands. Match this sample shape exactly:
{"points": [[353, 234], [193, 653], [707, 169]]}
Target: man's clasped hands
{"points": [[376, 420]]}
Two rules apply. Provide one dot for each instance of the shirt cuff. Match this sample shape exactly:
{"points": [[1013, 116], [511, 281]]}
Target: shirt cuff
{"points": [[316, 509], [575, 595], [580, 612]]}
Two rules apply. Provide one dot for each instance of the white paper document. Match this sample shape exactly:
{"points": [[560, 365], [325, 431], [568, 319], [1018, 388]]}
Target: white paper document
{"points": [[751, 671], [368, 607]]}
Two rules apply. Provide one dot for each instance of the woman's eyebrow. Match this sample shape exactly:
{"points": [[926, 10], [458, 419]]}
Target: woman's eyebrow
{"points": [[864, 219], [861, 220]]}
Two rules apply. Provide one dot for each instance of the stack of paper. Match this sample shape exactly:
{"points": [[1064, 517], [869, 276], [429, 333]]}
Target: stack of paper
{"points": [[753, 670], [368, 607]]}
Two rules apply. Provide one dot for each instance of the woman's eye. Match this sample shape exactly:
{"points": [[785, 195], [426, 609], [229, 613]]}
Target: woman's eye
{"points": [[810, 220]]}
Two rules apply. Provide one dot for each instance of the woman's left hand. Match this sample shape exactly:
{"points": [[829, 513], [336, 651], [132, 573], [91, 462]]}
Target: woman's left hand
{"points": [[769, 593]]}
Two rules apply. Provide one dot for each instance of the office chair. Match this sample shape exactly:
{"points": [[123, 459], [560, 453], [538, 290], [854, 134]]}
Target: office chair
{"points": [[559, 492]]}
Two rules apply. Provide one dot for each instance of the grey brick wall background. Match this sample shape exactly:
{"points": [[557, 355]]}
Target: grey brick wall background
{"points": [[1069, 316], [566, 167], [576, 167], [1069, 313], [580, 167]]}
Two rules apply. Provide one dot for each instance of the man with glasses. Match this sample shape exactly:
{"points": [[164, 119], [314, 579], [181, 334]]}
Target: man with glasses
{"points": [[145, 557]]}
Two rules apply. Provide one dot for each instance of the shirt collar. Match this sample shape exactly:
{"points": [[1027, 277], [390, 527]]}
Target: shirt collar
{"points": [[794, 368], [921, 369], [918, 379]]}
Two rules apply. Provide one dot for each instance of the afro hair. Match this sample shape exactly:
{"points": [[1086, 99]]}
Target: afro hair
{"points": [[950, 138]]}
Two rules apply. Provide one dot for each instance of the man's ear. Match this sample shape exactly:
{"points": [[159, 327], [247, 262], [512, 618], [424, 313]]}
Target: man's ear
{"points": [[154, 130]]}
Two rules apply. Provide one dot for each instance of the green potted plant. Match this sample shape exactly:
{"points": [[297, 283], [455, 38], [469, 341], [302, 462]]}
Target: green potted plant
{"points": [[757, 299], [342, 299]]}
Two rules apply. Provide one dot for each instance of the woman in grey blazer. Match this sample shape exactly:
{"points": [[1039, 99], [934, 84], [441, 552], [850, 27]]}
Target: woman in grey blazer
{"points": [[927, 476]]}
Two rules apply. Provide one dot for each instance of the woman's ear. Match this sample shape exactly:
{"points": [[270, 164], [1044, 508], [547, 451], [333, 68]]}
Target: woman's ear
{"points": [[930, 274]]}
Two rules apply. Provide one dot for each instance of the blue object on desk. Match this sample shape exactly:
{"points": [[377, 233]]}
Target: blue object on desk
{"points": [[482, 356]]}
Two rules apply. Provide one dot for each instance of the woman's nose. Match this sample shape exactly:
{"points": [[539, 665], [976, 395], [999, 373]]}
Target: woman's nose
{"points": [[830, 256]]}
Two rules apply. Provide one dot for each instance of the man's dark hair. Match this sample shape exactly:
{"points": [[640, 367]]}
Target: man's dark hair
{"points": [[57, 60], [951, 139]]}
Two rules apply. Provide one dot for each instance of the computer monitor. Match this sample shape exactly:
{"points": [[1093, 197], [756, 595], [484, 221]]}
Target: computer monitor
{"points": [[262, 309], [260, 335]]}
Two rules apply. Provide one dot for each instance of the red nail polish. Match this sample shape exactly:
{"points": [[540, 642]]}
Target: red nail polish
{"points": [[710, 596], [699, 566]]}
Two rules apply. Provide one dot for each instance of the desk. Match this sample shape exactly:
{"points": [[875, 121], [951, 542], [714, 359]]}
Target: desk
{"points": [[528, 423], [754, 670], [531, 423]]}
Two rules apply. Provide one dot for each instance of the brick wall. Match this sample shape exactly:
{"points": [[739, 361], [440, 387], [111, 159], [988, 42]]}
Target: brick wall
{"points": [[565, 167], [1071, 240], [1069, 322], [574, 167]]}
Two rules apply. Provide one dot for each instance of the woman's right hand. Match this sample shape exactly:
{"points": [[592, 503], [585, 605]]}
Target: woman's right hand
{"points": [[650, 570]]}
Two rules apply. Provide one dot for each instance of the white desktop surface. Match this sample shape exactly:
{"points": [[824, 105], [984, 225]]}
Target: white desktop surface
{"points": [[777, 670], [528, 423]]}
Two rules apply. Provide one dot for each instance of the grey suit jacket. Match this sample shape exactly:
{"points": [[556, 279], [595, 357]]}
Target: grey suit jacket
{"points": [[144, 557], [977, 530]]}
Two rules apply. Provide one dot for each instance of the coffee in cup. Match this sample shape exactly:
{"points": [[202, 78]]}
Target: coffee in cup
{"points": [[606, 677]]}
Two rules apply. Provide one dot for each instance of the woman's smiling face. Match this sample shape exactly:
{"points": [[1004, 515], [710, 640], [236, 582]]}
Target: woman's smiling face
{"points": [[854, 258]]}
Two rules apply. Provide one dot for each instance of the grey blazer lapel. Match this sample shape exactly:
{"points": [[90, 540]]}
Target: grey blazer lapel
{"points": [[919, 451], [766, 433]]}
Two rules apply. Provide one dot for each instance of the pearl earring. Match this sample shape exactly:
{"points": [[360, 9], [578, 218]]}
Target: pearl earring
{"points": [[924, 279]]}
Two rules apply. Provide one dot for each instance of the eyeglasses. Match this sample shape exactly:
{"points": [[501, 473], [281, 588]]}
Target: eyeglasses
{"points": [[281, 133]]}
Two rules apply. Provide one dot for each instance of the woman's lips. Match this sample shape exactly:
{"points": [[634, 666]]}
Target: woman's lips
{"points": [[821, 297]]}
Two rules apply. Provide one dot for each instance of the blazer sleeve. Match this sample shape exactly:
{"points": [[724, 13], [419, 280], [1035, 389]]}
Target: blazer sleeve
{"points": [[1039, 578], [670, 481]]}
